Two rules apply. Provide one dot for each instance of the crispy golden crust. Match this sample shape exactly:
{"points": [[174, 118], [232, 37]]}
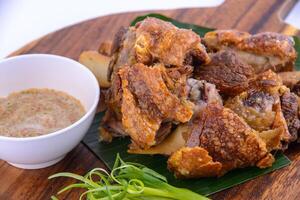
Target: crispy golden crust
{"points": [[263, 113], [138, 125], [290, 79], [215, 40], [272, 138], [153, 95], [280, 123], [123, 51], [153, 90], [218, 141], [290, 110], [193, 163], [162, 41], [154, 40], [260, 107], [262, 51], [267, 81], [229, 139], [175, 79], [266, 161], [229, 74], [256, 107], [141, 98], [270, 43]]}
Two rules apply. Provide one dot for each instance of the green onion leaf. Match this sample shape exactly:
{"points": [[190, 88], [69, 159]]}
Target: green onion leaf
{"points": [[126, 181]]}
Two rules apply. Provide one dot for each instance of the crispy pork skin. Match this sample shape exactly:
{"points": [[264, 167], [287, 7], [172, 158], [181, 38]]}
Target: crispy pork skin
{"points": [[262, 51]]}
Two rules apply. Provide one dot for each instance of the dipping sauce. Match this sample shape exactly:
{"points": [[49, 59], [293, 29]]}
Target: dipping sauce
{"points": [[36, 112]]}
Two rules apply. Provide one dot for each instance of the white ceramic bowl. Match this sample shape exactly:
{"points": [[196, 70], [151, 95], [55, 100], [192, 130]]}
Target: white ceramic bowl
{"points": [[54, 72]]}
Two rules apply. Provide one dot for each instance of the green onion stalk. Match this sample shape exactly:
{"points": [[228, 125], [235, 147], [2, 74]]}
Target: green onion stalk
{"points": [[126, 181]]}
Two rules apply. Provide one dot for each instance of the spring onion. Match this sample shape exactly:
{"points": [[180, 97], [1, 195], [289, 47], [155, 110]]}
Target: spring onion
{"points": [[127, 181]]}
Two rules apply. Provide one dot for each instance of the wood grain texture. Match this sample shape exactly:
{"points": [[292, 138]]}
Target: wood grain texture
{"points": [[18, 184], [248, 15]]}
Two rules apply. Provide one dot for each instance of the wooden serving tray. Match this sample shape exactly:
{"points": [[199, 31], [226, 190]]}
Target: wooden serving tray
{"points": [[248, 15]]}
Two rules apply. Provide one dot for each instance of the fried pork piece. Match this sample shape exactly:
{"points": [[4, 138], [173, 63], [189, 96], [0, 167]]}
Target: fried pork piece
{"points": [[296, 88], [262, 51], [230, 75], [219, 141], [153, 40], [142, 98], [260, 106], [111, 127], [169, 145], [144, 102], [153, 95], [290, 79], [193, 163], [123, 52], [290, 110], [202, 93]]}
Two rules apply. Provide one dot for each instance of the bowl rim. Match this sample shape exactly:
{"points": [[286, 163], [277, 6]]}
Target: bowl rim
{"points": [[83, 118]]}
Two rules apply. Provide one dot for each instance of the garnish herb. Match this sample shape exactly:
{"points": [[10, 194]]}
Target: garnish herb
{"points": [[126, 181]]}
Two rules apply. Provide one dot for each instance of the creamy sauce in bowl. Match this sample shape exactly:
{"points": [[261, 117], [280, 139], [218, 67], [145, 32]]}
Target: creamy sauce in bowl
{"points": [[37, 112]]}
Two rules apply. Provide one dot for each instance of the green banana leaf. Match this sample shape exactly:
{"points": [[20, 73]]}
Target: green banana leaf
{"points": [[205, 186], [297, 47]]}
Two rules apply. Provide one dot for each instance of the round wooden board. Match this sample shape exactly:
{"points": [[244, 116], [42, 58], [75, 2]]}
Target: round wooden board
{"points": [[250, 15]]}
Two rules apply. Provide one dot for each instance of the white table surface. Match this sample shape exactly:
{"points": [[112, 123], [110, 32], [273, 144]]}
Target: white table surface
{"points": [[22, 21], [293, 17]]}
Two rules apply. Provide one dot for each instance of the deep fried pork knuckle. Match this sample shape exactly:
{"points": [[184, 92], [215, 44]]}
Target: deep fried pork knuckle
{"points": [[261, 108], [226, 142], [145, 98], [262, 51], [290, 110], [230, 74], [156, 41], [209, 112]]}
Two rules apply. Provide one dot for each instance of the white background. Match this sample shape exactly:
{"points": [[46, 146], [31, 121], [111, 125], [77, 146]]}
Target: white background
{"points": [[22, 21], [294, 16]]}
